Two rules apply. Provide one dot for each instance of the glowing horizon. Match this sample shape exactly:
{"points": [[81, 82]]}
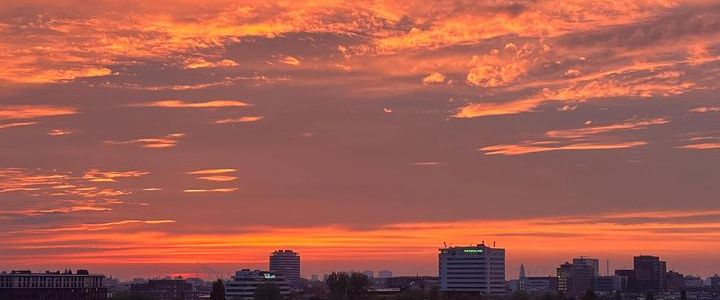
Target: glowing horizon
{"points": [[362, 135]]}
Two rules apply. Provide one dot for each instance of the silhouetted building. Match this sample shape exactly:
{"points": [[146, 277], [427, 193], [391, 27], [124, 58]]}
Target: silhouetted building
{"points": [[370, 274], [472, 269], [286, 263], [631, 282], [165, 289], [674, 281], [385, 274], [575, 279], [610, 284], [693, 281], [715, 281], [593, 262], [539, 284], [52, 285], [649, 273], [245, 282]]}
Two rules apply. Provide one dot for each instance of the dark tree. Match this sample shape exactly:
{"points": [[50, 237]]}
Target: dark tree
{"points": [[649, 296], [337, 284], [218, 290], [589, 295], [618, 295], [268, 291], [342, 286], [683, 295], [359, 287]]}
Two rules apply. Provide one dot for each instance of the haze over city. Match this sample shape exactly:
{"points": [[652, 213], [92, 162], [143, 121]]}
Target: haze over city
{"points": [[151, 138]]}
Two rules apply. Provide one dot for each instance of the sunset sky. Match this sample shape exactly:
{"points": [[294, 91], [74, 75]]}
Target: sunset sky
{"points": [[146, 138]]}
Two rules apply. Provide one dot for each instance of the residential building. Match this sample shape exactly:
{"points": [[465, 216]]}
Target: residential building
{"points": [[165, 289], [674, 281], [477, 268], [52, 285], [287, 264], [649, 273], [245, 282]]}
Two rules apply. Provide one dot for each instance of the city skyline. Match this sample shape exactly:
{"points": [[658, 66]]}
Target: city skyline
{"points": [[139, 137]]}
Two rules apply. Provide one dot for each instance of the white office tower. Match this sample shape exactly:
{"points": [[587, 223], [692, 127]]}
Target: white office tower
{"points": [[472, 269], [245, 282], [286, 263]]}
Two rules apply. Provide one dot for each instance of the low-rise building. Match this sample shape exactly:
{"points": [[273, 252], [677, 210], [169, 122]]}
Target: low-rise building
{"points": [[52, 285], [165, 289], [245, 282]]}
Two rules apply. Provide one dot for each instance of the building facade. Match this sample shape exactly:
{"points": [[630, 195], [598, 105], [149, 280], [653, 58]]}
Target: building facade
{"points": [[575, 279], [650, 273], [472, 269], [286, 263], [52, 285], [593, 262], [539, 284], [245, 282], [165, 289]]}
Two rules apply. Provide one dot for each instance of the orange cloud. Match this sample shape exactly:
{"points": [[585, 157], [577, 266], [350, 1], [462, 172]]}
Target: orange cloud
{"points": [[433, 78], [95, 175], [586, 138], [218, 178], [198, 63], [60, 132], [217, 190], [705, 109], [290, 61], [16, 124], [184, 104], [211, 171], [535, 147], [244, 119], [168, 141], [34, 111]]}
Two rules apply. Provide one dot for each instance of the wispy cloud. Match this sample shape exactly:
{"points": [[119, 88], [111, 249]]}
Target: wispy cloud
{"points": [[216, 190], [244, 119], [211, 171], [95, 175], [186, 104], [433, 78], [168, 141], [290, 60], [16, 124], [34, 111], [585, 138]]}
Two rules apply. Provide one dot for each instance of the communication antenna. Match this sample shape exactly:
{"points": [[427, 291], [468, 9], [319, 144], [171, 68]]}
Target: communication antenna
{"points": [[493, 244], [445, 244]]}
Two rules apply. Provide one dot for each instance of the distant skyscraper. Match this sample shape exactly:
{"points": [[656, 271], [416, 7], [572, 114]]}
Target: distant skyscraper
{"points": [[385, 274], [650, 273], [472, 269], [286, 263]]}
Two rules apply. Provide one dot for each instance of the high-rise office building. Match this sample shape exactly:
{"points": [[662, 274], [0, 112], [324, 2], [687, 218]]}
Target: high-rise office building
{"points": [[593, 262], [52, 285], [575, 279], [245, 282], [286, 263], [650, 273], [472, 269]]}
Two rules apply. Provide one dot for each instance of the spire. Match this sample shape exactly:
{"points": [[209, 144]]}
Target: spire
{"points": [[522, 271]]}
